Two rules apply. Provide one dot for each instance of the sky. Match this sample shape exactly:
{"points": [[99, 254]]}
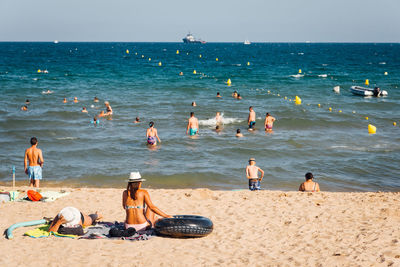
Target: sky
{"points": [[210, 20]]}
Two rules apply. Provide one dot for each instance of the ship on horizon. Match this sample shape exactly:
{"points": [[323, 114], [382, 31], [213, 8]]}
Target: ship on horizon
{"points": [[189, 39]]}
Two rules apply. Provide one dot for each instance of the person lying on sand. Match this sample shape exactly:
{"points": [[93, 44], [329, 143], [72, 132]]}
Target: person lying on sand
{"points": [[252, 175], [134, 200], [309, 185], [72, 218]]}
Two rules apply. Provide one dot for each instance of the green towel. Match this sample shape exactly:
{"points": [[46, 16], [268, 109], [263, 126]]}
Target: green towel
{"points": [[42, 231]]}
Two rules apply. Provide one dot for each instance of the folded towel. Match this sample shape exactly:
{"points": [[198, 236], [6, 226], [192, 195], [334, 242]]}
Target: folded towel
{"points": [[42, 231]]}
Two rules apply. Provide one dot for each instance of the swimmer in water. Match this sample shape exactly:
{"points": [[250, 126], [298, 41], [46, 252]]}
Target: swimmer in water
{"points": [[84, 110], [95, 121], [137, 120], [95, 99], [27, 102], [269, 122], [218, 129], [151, 135], [181, 73], [24, 108], [65, 100], [218, 118], [102, 114], [193, 125], [194, 104], [251, 120], [239, 97], [76, 100], [235, 94], [218, 95], [109, 110], [238, 133]]}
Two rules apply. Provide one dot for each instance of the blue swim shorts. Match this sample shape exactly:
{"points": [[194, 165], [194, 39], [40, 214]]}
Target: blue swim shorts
{"points": [[192, 131], [35, 172], [251, 124], [254, 184]]}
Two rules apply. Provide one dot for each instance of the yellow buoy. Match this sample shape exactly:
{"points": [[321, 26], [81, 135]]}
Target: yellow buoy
{"points": [[149, 58], [159, 63], [285, 98], [386, 73], [177, 52], [297, 100], [366, 82], [394, 123], [340, 111], [127, 51], [39, 70], [194, 72], [229, 82], [330, 109], [371, 129], [248, 63], [299, 70], [319, 105], [200, 56], [366, 118], [216, 59]]}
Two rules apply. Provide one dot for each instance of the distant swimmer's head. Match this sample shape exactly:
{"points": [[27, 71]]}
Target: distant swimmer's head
{"points": [[252, 161], [194, 104], [218, 94], [27, 102], [137, 120], [218, 113], [75, 99], [251, 108], [65, 100], [267, 114], [239, 97], [217, 127], [191, 114], [309, 176], [24, 108], [151, 124], [96, 99], [84, 109], [106, 103], [34, 141], [181, 73], [238, 131]]}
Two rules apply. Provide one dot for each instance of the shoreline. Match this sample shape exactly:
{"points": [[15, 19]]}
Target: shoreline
{"points": [[265, 227]]}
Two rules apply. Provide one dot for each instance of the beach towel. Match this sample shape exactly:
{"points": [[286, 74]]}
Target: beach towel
{"points": [[102, 231], [42, 231], [47, 196]]}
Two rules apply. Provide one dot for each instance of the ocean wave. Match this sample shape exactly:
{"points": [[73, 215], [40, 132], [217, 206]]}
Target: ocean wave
{"points": [[297, 75], [323, 75], [213, 121], [67, 138]]}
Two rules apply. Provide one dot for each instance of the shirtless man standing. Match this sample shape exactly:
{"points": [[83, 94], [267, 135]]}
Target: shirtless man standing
{"points": [[251, 120], [269, 122], [193, 125], [218, 118], [252, 175], [35, 157]]}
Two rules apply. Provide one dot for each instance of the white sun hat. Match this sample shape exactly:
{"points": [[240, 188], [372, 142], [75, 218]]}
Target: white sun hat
{"points": [[71, 215], [135, 177]]}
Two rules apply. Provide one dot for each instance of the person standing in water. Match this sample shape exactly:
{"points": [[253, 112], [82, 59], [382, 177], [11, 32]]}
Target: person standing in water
{"points": [[193, 125], [251, 120], [218, 118], [34, 169], [252, 175], [109, 110], [269, 122], [152, 135]]}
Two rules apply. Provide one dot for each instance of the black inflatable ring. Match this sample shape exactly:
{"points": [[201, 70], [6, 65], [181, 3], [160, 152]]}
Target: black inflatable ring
{"points": [[184, 226]]}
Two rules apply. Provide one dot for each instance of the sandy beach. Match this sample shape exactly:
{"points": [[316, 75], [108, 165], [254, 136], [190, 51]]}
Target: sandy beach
{"points": [[265, 228]]}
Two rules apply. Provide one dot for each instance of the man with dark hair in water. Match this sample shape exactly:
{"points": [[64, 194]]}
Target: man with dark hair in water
{"points": [[35, 158], [193, 125], [377, 92]]}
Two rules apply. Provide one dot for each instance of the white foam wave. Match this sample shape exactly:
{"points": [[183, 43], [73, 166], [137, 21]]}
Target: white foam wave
{"points": [[323, 75], [297, 75], [67, 138], [213, 121], [382, 63]]}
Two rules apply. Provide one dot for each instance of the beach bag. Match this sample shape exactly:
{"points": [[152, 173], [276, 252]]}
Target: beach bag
{"points": [[33, 195], [71, 230]]}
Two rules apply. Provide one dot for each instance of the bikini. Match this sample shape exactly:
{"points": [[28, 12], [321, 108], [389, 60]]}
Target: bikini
{"points": [[151, 140], [315, 185], [138, 227]]}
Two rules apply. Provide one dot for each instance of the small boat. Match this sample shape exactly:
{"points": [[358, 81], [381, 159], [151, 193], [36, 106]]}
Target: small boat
{"points": [[247, 42], [189, 39], [366, 91], [56, 41]]}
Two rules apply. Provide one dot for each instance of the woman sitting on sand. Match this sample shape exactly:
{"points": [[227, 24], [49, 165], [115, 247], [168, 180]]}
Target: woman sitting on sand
{"points": [[134, 200], [309, 185], [71, 217]]}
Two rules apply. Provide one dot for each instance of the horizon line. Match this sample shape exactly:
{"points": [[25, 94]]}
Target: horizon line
{"points": [[216, 42]]}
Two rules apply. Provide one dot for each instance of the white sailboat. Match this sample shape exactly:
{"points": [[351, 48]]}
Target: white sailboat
{"points": [[247, 42]]}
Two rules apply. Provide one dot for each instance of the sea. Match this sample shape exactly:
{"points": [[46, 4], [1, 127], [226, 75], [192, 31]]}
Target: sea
{"points": [[327, 134]]}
